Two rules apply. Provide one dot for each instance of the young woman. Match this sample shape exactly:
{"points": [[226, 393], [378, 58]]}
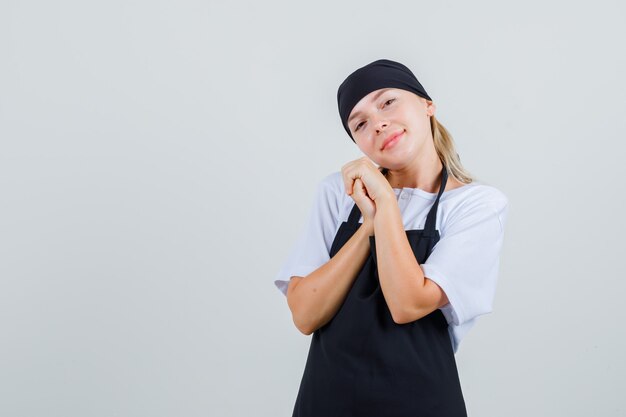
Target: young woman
{"points": [[396, 261]]}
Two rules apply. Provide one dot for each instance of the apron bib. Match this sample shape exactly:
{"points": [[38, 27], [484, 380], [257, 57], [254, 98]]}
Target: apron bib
{"points": [[361, 363]]}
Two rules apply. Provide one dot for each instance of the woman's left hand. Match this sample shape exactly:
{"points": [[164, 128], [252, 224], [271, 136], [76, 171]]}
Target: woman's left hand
{"points": [[375, 183]]}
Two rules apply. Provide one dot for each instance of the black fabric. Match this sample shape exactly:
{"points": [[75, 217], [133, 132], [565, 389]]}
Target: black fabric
{"points": [[362, 363], [382, 73]]}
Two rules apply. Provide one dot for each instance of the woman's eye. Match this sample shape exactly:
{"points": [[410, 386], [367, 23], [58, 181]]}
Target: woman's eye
{"points": [[357, 126]]}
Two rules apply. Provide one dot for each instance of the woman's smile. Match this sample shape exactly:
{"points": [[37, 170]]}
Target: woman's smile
{"points": [[393, 141]]}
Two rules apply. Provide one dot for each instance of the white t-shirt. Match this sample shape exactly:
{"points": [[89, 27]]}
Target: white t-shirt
{"points": [[464, 263]]}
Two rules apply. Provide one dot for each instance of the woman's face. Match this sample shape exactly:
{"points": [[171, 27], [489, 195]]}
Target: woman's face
{"points": [[385, 113]]}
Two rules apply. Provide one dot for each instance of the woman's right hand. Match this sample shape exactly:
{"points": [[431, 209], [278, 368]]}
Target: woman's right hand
{"points": [[365, 204]]}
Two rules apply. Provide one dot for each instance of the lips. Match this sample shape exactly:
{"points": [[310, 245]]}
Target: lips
{"points": [[390, 138]]}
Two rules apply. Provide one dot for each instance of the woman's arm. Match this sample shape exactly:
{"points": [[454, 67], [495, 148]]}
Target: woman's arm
{"points": [[409, 295], [314, 299]]}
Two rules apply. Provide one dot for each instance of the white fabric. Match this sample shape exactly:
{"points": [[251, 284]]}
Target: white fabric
{"points": [[464, 263]]}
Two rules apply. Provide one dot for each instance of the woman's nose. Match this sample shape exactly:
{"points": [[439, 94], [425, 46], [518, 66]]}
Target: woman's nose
{"points": [[380, 125]]}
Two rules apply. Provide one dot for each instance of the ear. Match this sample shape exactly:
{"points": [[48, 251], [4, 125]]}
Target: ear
{"points": [[430, 108]]}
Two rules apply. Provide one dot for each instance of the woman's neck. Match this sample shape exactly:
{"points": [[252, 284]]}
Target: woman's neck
{"points": [[427, 177]]}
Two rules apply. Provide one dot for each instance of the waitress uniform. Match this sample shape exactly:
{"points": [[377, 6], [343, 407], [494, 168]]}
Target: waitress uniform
{"points": [[362, 363]]}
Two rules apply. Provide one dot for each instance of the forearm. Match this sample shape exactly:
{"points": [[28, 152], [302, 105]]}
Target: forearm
{"points": [[316, 298], [401, 277]]}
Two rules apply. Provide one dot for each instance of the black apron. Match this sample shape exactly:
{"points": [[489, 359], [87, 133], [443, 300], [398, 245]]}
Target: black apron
{"points": [[361, 363]]}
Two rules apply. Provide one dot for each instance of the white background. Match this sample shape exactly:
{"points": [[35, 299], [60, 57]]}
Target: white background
{"points": [[158, 160]]}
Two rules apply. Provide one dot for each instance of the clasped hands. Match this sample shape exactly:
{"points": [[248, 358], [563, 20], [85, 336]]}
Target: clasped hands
{"points": [[367, 186]]}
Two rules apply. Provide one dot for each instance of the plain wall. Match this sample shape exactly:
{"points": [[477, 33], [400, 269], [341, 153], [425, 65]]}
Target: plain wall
{"points": [[158, 160]]}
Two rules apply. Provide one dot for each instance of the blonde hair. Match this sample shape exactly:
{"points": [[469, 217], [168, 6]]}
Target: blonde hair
{"points": [[444, 145]]}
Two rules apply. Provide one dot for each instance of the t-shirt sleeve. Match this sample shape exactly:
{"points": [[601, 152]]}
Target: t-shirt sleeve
{"points": [[312, 248], [465, 261]]}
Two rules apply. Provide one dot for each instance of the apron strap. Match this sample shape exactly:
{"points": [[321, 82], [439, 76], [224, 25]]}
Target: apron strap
{"points": [[355, 215], [431, 219]]}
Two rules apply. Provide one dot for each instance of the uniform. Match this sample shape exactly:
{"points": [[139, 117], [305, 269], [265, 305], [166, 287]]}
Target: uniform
{"points": [[363, 363]]}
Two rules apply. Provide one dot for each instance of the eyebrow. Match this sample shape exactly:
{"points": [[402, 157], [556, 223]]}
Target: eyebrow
{"points": [[373, 99]]}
